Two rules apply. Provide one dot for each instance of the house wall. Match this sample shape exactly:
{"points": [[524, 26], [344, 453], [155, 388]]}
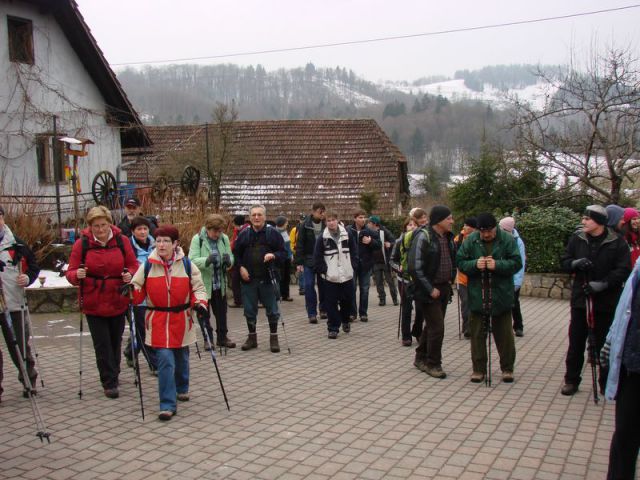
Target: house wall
{"points": [[30, 95]]}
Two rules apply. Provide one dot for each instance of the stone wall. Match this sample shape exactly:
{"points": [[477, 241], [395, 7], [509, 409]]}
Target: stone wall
{"points": [[547, 285], [52, 299]]}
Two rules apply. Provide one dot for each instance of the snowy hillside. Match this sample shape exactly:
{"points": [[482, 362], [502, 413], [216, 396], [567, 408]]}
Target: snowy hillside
{"points": [[455, 90]]}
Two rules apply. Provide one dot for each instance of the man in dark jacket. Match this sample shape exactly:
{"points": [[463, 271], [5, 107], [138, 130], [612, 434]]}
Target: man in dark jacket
{"points": [[307, 234], [367, 241], [490, 258], [132, 210], [18, 269], [381, 257], [600, 262], [257, 250], [432, 267]]}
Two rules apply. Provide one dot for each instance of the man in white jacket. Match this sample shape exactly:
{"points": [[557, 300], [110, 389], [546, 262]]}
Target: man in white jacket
{"points": [[335, 259]]}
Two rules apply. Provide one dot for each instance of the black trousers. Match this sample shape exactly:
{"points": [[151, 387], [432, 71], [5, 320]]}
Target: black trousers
{"points": [[516, 313], [338, 300], [578, 333], [218, 306], [147, 351], [430, 344], [285, 278], [16, 321], [625, 443], [106, 334]]}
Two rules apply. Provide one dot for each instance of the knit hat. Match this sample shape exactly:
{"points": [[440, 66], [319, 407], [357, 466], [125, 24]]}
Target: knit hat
{"points": [[486, 221], [139, 221], [507, 224], [238, 220], [167, 231], [629, 214], [375, 219], [597, 213], [614, 215], [281, 220], [132, 202], [471, 221], [438, 213]]}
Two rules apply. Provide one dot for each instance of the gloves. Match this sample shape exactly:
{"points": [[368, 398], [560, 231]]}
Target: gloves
{"points": [[213, 258], [202, 312], [582, 264], [126, 289], [595, 287], [226, 260]]}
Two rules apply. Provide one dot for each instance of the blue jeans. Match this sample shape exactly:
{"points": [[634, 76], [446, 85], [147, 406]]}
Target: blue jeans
{"points": [[266, 292], [361, 281], [310, 297], [173, 375]]}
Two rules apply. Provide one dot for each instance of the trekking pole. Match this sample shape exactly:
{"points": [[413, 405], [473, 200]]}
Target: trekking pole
{"points": [[459, 312], [276, 291], [81, 305], [401, 285], [486, 319], [200, 318], [24, 313], [134, 343], [591, 343], [41, 428]]}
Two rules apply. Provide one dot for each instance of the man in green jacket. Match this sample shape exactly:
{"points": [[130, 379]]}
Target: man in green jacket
{"points": [[490, 258], [210, 251]]}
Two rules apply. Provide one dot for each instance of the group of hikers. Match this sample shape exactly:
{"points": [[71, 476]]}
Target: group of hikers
{"points": [[138, 270]]}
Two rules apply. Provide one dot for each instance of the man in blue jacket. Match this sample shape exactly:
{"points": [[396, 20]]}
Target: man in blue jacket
{"points": [[257, 250]]}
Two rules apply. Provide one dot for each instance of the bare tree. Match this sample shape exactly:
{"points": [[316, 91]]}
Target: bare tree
{"points": [[224, 115], [589, 129]]}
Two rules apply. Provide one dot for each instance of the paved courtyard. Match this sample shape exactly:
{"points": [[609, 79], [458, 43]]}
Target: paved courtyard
{"points": [[354, 407]]}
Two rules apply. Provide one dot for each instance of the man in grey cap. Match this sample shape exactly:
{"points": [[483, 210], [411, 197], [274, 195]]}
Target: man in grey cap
{"points": [[599, 260]]}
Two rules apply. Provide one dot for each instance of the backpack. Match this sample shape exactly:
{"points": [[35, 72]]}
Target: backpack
{"points": [[412, 248], [185, 261], [86, 247]]}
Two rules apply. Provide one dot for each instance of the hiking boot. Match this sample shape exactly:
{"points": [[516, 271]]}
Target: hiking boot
{"points": [[25, 393], [165, 415], [467, 334], [519, 332], [287, 299], [183, 397], [395, 302], [300, 292], [313, 319], [129, 362], [419, 364], [323, 315], [507, 376], [111, 393], [382, 302], [227, 343], [352, 318], [154, 371], [407, 342], [435, 372], [207, 347], [477, 377], [273, 343], [364, 318], [346, 327], [569, 389], [250, 342], [333, 335]]}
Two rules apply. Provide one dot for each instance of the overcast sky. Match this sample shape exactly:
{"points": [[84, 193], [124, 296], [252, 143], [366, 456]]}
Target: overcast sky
{"points": [[155, 30]]}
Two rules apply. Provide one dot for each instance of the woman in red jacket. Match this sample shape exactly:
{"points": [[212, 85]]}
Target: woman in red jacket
{"points": [[172, 287], [101, 262]]}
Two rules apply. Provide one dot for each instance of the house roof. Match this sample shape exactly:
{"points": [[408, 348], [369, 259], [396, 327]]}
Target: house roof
{"points": [[119, 108], [286, 165]]}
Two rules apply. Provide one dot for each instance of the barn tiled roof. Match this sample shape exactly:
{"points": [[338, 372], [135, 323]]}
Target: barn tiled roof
{"points": [[287, 165]]}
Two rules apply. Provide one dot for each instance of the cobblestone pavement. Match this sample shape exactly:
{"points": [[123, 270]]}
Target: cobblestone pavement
{"points": [[354, 407]]}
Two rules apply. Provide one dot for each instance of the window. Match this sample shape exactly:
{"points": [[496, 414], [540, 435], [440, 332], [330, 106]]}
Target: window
{"points": [[20, 40], [50, 161]]}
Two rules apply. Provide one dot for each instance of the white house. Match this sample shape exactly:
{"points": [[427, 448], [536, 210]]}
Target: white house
{"points": [[54, 83]]}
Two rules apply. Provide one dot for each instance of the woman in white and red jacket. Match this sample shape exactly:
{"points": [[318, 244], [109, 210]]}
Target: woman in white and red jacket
{"points": [[172, 287], [101, 262]]}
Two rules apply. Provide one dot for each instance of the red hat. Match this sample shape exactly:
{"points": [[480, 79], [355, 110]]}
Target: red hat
{"points": [[167, 231], [630, 213]]}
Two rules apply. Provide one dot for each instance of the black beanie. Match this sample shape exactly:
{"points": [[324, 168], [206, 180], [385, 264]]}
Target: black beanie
{"points": [[471, 221], [438, 213], [238, 220], [486, 221], [597, 213]]}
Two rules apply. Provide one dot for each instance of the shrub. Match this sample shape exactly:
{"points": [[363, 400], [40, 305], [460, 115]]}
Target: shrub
{"points": [[545, 232]]}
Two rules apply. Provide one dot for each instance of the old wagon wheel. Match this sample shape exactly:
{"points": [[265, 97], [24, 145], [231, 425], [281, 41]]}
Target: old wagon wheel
{"points": [[159, 189], [190, 181], [104, 189]]}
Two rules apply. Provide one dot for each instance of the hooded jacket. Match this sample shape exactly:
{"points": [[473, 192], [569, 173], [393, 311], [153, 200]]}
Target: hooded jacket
{"points": [[99, 293], [364, 252], [306, 242], [169, 286], [335, 261], [17, 257]]}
